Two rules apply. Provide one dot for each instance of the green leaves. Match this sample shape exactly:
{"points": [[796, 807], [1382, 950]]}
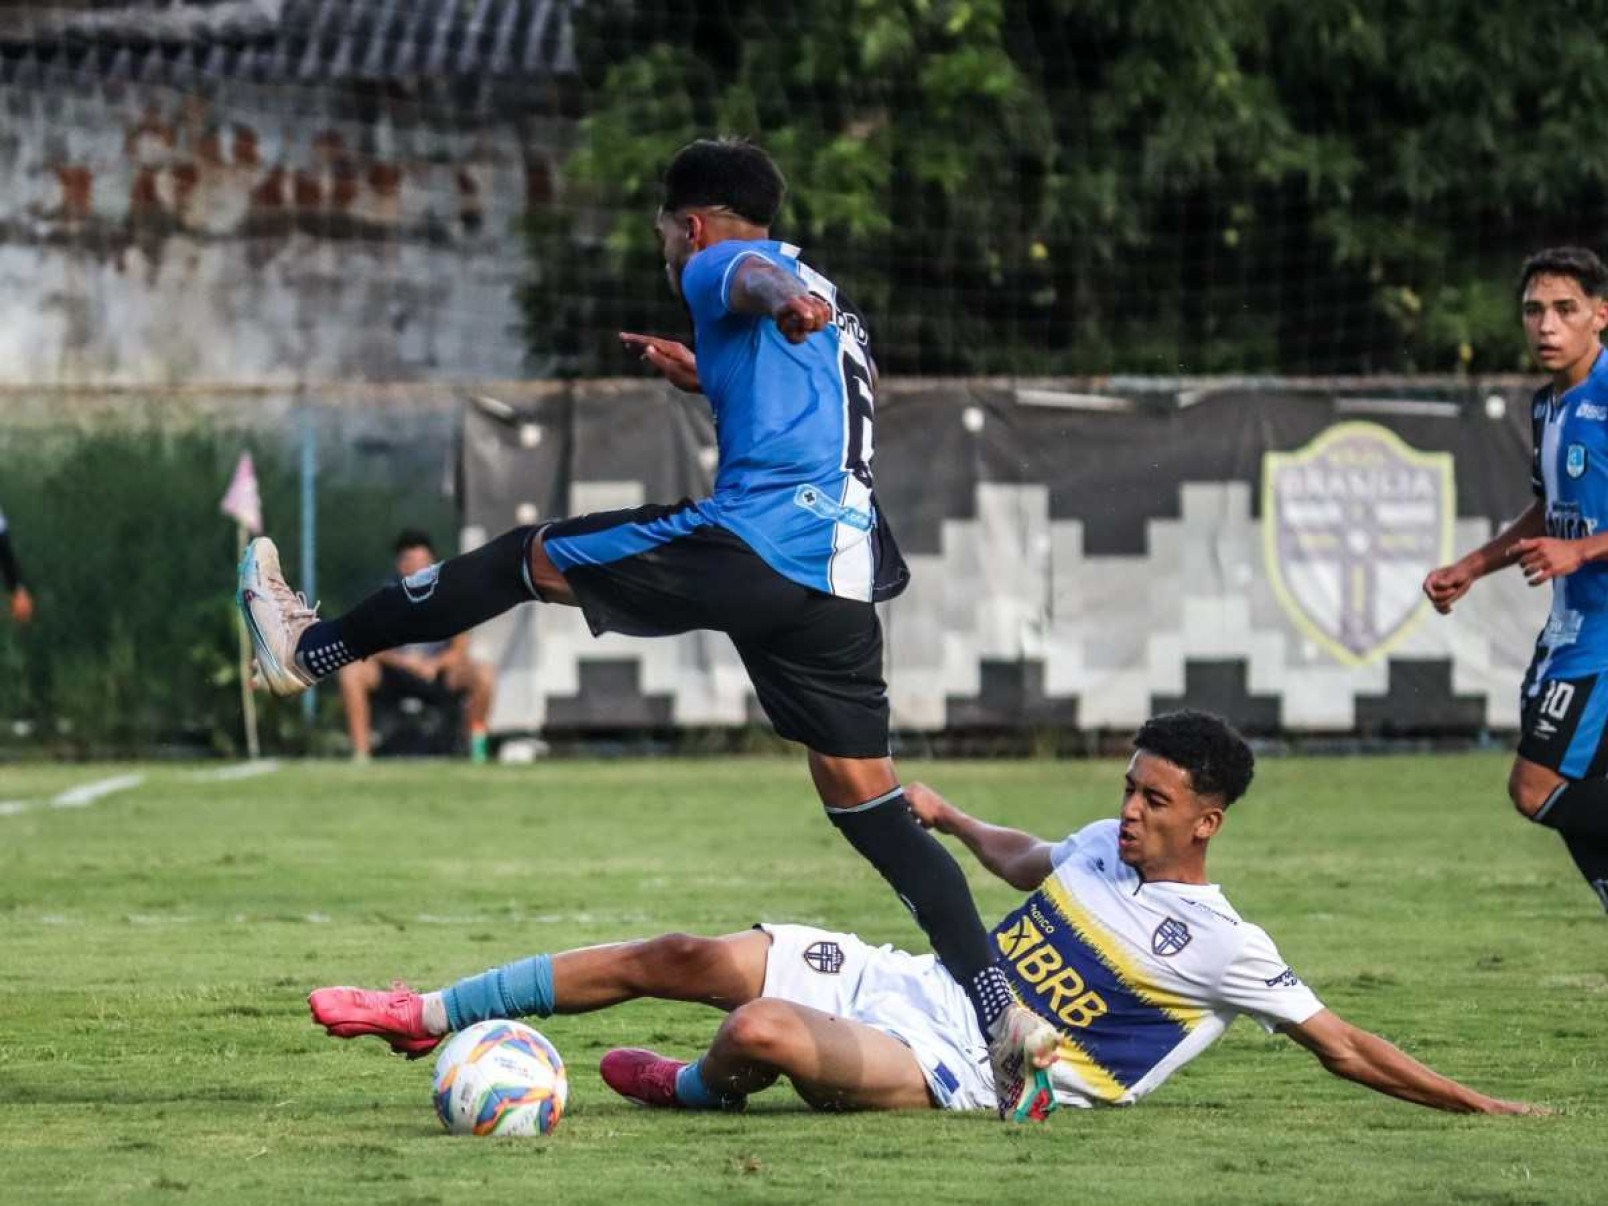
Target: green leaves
{"points": [[997, 179]]}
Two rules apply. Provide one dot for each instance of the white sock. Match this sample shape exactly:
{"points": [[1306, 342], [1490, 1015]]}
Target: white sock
{"points": [[435, 1013]]}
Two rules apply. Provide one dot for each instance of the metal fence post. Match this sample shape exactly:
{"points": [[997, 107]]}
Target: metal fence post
{"points": [[309, 529]]}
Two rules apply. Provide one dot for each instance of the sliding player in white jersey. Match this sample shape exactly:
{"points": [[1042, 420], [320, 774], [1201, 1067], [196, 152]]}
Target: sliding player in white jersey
{"points": [[1124, 947]]}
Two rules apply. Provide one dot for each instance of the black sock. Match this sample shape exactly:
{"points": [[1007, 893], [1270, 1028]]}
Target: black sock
{"points": [[433, 605], [1591, 856], [1578, 807], [1579, 812], [933, 887]]}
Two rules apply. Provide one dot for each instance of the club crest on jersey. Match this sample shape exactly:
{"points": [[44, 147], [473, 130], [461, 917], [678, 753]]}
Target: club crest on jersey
{"points": [[1574, 460], [1170, 937], [1350, 525], [825, 957]]}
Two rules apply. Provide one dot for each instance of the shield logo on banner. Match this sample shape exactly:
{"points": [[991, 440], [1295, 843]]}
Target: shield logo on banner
{"points": [[1350, 525]]}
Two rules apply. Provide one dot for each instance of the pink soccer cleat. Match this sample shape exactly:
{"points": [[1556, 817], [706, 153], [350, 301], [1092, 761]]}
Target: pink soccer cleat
{"points": [[397, 1016], [645, 1077]]}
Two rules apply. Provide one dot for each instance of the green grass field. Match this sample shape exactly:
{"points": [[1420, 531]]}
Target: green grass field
{"points": [[156, 945]]}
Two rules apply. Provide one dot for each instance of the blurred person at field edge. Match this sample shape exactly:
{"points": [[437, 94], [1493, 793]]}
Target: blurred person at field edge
{"points": [[21, 607], [439, 672], [1560, 772]]}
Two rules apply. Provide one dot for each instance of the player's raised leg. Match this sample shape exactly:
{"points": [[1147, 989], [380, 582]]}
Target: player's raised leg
{"points": [[866, 803], [295, 649], [720, 972], [833, 1062]]}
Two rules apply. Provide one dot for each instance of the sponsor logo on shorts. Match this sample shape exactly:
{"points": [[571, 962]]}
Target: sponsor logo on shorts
{"points": [[1285, 979], [420, 586], [1171, 936], [825, 957], [1590, 410]]}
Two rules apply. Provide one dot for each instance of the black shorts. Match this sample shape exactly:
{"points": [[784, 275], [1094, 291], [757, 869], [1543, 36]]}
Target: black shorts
{"points": [[1563, 721], [815, 659]]}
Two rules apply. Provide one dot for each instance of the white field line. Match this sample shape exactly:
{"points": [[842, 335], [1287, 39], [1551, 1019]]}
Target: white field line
{"points": [[86, 794], [81, 796], [241, 770]]}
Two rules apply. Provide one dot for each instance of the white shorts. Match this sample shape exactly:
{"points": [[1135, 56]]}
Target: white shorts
{"points": [[908, 996]]}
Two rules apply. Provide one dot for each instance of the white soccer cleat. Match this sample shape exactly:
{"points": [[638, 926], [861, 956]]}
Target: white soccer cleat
{"points": [[1021, 1049], [276, 616]]}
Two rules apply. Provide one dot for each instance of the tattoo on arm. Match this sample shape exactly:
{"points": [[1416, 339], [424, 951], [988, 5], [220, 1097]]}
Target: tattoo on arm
{"points": [[758, 287]]}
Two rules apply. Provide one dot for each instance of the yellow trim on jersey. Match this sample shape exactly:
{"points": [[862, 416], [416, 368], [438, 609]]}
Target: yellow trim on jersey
{"points": [[1100, 1083], [1110, 951]]}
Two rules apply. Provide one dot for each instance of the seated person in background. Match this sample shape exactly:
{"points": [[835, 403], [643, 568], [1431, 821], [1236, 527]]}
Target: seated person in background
{"points": [[21, 600], [437, 672]]}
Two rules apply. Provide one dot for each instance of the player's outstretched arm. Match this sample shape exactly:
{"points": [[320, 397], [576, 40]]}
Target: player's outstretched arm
{"points": [[760, 288], [1446, 585], [1357, 1055], [1017, 857]]}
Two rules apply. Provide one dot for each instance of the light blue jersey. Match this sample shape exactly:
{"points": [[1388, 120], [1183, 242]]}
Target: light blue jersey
{"points": [[794, 427], [1569, 474]]}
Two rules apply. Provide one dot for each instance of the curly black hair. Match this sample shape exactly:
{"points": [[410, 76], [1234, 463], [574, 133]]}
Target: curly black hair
{"points": [[1215, 755], [730, 172]]}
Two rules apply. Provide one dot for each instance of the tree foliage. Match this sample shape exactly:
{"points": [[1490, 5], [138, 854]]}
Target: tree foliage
{"points": [[1034, 186]]}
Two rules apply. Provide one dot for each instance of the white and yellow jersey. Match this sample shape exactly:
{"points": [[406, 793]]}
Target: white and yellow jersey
{"points": [[1138, 977]]}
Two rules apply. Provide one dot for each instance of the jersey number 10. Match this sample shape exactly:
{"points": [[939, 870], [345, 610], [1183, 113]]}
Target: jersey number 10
{"points": [[1555, 703]]}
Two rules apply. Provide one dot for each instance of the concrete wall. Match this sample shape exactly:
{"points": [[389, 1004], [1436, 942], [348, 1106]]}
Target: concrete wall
{"points": [[262, 235]]}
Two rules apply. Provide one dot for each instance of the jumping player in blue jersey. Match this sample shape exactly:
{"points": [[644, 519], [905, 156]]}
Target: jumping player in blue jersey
{"points": [[787, 557], [1560, 775]]}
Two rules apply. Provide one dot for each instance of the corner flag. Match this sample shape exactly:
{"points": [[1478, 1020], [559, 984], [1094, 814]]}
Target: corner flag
{"points": [[241, 502]]}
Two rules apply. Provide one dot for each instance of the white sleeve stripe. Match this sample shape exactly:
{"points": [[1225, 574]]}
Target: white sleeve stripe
{"points": [[725, 280]]}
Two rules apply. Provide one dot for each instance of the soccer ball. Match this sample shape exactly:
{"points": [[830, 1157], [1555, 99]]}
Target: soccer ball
{"points": [[500, 1078]]}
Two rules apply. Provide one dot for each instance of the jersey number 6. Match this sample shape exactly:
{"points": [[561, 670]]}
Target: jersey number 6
{"points": [[857, 387]]}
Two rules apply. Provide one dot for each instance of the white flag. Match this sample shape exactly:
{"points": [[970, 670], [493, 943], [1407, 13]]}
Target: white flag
{"points": [[241, 502]]}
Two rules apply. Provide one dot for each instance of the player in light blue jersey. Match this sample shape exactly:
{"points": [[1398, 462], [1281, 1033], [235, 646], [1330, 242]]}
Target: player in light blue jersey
{"points": [[1560, 774], [787, 557]]}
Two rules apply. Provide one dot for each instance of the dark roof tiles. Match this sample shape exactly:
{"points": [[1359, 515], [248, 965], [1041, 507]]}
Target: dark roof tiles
{"points": [[296, 40]]}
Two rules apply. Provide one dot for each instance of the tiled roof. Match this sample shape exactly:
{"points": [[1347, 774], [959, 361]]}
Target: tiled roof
{"points": [[181, 41]]}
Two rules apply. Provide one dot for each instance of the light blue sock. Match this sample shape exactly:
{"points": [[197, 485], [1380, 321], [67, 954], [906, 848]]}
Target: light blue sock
{"points": [[514, 990], [692, 1092]]}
